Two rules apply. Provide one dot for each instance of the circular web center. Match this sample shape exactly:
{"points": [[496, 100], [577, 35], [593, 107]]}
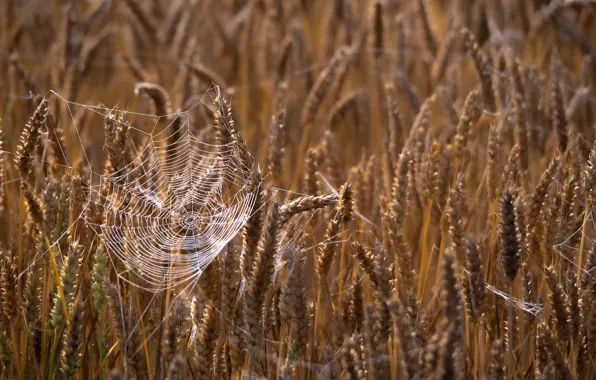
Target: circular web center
{"points": [[190, 220]]}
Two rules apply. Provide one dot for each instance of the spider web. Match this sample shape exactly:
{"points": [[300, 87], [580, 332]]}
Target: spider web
{"points": [[174, 206]]}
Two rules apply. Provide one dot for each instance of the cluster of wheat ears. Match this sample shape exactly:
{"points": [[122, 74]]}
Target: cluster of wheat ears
{"points": [[422, 181]]}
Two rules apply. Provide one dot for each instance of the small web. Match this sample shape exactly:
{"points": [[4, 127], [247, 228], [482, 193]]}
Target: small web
{"points": [[533, 308], [173, 205]]}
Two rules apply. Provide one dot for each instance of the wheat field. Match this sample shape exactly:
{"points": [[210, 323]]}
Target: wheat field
{"points": [[297, 189]]}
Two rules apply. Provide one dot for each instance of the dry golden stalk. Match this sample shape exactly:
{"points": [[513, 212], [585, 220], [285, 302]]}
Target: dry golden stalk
{"points": [[358, 358], [573, 311], [33, 205], [347, 359], [378, 28], [415, 141], [69, 47], [560, 303], [62, 215], [32, 292], [29, 82], [306, 203], [404, 260], [366, 261], [116, 132], [432, 172], [171, 20], [589, 265], [277, 145], [135, 68], [394, 122], [342, 106], [511, 174], [30, 139], [237, 339], [159, 96], [451, 363], [100, 272], [56, 145], [405, 332], [116, 312], [8, 277], [366, 189], [144, 19], [2, 172], [6, 354], [196, 313], [492, 151], [283, 58], [342, 73], [183, 41], [312, 164], [430, 356], [537, 201], [519, 109], [483, 69], [509, 235], [205, 344], [521, 219], [565, 199], [293, 301], [321, 87], [172, 332], [385, 275], [555, 355], [400, 41], [225, 131], [69, 276], [210, 281], [340, 323], [455, 215], [429, 39], [527, 293], [557, 106], [590, 177], [443, 59], [74, 337], [343, 213], [496, 370], [230, 280], [376, 347], [447, 97], [356, 306], [410, 92], [475, 277], [444, 357], [254, 225], [93, 16], [469, 116], [78, 200], [89, 54], [116, 375], [546, 14], [259, 282], [575, 107], [450, 293], [175, 368], [329, 153], [206, 74]]}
